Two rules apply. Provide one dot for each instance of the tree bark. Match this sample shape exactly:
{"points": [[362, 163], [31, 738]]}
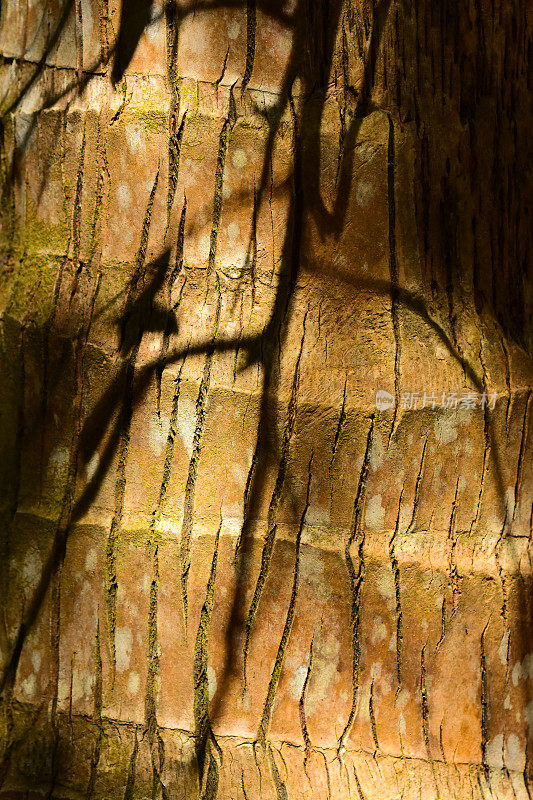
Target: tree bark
{"points": [[267, 498]]}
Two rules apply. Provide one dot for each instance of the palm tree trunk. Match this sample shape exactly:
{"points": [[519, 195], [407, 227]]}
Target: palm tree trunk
{"points": [[267, 498]]}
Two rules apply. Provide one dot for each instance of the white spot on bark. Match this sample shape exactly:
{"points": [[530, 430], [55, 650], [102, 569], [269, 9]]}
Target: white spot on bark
{"points": [[133, 683], [123, 645], [136, 138], [233, 230], [296, 683], [204, 243], [363, 193], [445, 428], [157, 435], [503, 648], [63, 690], [379, 631], [494, 752], [528, 715], [402, 728], [239, 159], [324, 673], [123, 195], [58, 461], [92, 466], [378, 451], [523, 670], [234, 28], [312, 572], [375, 514], [402, 698], [211, 682], [385, 584], [36, 660], [29, 685], [514, 753], [187, 424], [31, 570], [82, 684], [375, 670], [91, 560]]}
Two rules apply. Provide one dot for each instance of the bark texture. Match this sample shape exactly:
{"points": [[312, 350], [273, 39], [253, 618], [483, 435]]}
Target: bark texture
{"points": [[226, 572]]}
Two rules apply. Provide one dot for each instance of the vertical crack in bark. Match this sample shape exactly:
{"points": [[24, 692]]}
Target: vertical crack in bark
{"points": [[452, 567], [372, 716], [393, 268], [253, 260], [129, 790], [223, 143], [274, 503], [175, 132], [239, 335], [126, 414], [190, 488], [59, 546], [424, 701], [521, 452], [484, 698], [442, 628], [76, 216], [13, 502], [356, 577], [102, 175], [55, 627], [210, 787], [248, 494], [301, 708], [172, 312], [78, 35], [278, 663], [358, 785], [251, 26], [507, 383], [175, 141], [418, 487], [172, 317], [340, 425], [155, 741], [125, 418], [169, 451], [396, 574], [145, 232], [48, 325], [342, 106], [281, 789], [203, 392], [97, 715], [204, 736], [486, 444], [103, 22], [328, 776]]}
